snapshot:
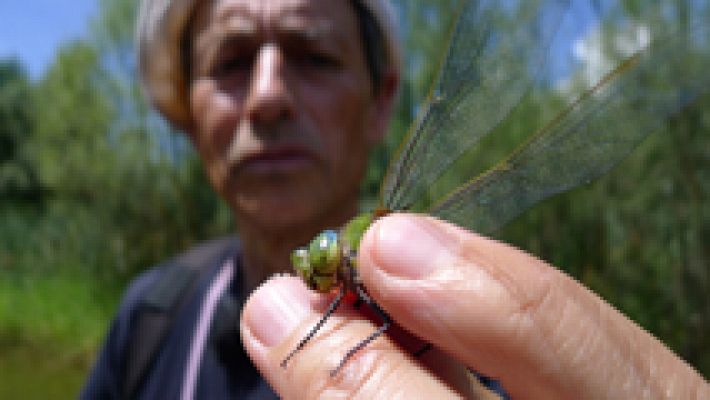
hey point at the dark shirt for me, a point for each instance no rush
(225, 371)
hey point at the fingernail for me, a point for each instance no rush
(408, 247)
(275, 309)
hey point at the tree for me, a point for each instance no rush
(18, 178)
(126, 190)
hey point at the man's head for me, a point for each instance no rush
(282, 98)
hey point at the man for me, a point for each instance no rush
(282, 99)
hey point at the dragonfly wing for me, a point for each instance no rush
(496, 50)
(587, 139)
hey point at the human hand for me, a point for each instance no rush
(482, 304)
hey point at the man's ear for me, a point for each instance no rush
(189, 128)
(189, 132)
(383, 106)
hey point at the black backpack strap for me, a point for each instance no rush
(163, 301)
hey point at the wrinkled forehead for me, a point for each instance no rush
(269, 19)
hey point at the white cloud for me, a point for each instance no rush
(596, 55)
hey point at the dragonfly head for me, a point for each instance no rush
(318, 263)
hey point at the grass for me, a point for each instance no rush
(50, 328)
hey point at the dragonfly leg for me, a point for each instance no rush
(386, 322)
(422, 350)
(331, 309)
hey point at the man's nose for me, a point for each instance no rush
(269, 99)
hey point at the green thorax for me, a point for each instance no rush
(351, 233)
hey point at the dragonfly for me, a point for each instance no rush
(497, 55)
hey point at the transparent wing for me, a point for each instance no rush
(589, 137)
(497, 48)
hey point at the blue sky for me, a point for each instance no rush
(32, 30)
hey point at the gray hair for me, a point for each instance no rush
(161, 33)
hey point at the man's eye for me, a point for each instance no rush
(320, 60)
(232, 64)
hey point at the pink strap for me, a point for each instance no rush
(202, 328)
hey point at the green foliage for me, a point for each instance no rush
(14, 93)
(50, 328)
(59, 308)
(18, 180)
(124, 191)
(107, 190)
(68, 146)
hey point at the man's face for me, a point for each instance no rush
(282, 105)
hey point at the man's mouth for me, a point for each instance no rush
(276, 161)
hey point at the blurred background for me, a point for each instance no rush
(95, 187)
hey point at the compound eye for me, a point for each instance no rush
(301, 263)
(324, 252)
